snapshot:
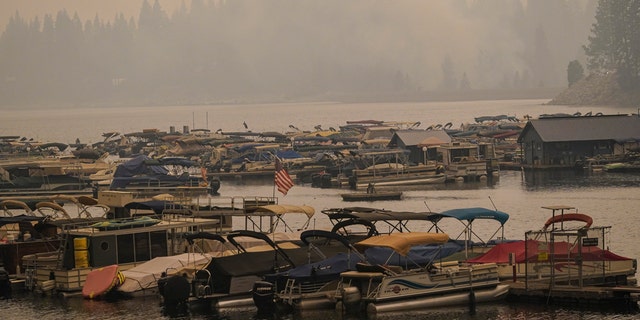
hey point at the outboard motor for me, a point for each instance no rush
(214, 186)
(175, 292)
(201, 284)
(351, 298)
(263, 297)
(5, 283)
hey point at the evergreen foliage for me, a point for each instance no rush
(614, 45)
(575, 72)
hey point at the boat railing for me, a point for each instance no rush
(226, 209)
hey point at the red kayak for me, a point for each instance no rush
(100, 281)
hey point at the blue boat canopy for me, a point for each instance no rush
(471, 214)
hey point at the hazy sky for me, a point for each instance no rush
(86, 9)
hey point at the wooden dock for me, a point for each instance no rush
(617, 296)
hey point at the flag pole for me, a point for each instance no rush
(273, 195)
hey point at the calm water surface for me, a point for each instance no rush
(611, 199)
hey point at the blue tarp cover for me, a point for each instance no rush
(138, 166)
(421, 255)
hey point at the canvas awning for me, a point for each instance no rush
(280, 209)
(402, 242)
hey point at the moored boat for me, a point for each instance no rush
(568, 249)
(380, 288)
(372, 196)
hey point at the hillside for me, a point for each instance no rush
(597, 89)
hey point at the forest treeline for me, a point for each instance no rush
(287, 50)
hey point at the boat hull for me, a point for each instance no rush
(403, 181)
(376, 196)
(481, 295)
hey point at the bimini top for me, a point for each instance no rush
(402, 242)
(280, 209)
(471, 214)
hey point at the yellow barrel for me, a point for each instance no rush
(80, 243)
(80, 253)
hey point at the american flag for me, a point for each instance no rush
(283, 180)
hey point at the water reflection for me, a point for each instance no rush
(545, 179)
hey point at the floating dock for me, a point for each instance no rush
(616, 296)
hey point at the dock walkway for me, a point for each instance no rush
(618, 296)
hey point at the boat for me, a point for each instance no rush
(40, 177)
(101, 281)
(375, 196)
(126, 223)
(309, 286)
(142, 280)
(372, 195)
(148, 177)
(227, 281)
(631, 166)
(314, 286)
(85, 246)
(568, 249)
(28, 228)
(379, 288)
(389, 170)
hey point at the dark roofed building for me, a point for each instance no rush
(415, 140)
(565, 141)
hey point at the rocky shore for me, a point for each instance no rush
(597, 90)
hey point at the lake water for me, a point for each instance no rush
(611, 199)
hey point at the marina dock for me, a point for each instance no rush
(616, 296)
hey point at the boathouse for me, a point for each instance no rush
(566, 141)
(422, 144)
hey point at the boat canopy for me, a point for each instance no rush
(471, 214)
(402, 242)
(280, 209)
(466, 216)
(396, 220)
(19, 219)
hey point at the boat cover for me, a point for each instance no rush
(138, 222)
(138, 166)
(500, 252)
(145, 276)
(420, 255)
(328, 268)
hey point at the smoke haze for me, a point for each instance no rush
(315, 48)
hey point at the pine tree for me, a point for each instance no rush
(615, 41)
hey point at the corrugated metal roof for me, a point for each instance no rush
(618, 127)
(414, 137)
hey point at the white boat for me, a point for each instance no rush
(378, 288)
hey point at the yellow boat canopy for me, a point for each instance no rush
(402, 242)
(280, 209)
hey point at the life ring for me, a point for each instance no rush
(569, 217)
